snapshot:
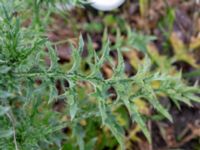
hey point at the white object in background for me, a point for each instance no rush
(106, 5)
(61, 6)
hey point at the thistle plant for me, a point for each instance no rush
(29, 73)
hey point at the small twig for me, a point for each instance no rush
(14, 132)
(64, 42)
(195, 133)
(150, 131)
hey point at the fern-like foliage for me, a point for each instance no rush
(28, 77)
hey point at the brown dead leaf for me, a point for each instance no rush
(181, 51)
(195, 42)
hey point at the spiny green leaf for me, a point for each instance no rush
(79, 133)
(80, 45)
(4, 94)
(138, 40)
(116, 130)
(102, 109)
(91, 144)
(73, 109)
(154, 101)
(72, 101)
(105, 54)
(6, 133)
(4, 69)
(192, 97)
(76, 54)
(135, 116)
(3, 110)
(119, 71)
(138, 118)
(53, 57)
(52, 93)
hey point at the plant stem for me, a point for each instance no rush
(14, 132)
(192, 74)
